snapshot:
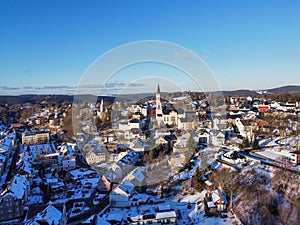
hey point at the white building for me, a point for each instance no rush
(135, 123)
(187, 123)
(170, 117)
(30, 138)
(233, 157)
(123, 125)
(119, 197)
(92, 157)
(168, 217)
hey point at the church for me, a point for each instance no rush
(165, 116)
(102, 113)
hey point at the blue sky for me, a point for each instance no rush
(247, 44)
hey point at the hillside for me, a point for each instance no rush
(22, 99)
(292, 89)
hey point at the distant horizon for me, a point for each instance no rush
(60, 90)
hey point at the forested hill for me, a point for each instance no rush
(22, 99)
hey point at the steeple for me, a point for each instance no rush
(158, 103)
(158, 89)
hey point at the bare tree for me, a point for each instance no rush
(228, 181)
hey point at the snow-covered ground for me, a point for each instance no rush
(194, 215)
(276, 156)
(270, 142)
(290, 142)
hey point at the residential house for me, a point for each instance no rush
(218, 138)
(6, 146)
(138, 179)
(14, 198)
(135, 123)
(141, 146)
(170, 117)
(119, 197)
(92, 157)
(167, 217)
(123, 125)
(295, 157)
(213, 203)
(78, 174)
(104, 185)
(187, 123)
(127, 163)
(51, 215)
(134, 133)
(95, 152)
(233, 157)
(204, 137)
(123, 195)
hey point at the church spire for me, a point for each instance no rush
(158, 89)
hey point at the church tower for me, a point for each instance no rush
(159, 115)
(102, 106)
(102, 110)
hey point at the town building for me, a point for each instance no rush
(13, 199)
(30, 138)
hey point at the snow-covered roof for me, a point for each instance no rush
(215, 196)
(101, 221)
(128, 157)
(211, 204)
(19, 186)
(138, 174)
(125, 188)
(127, 183)
(114, 217)
(140, 198)
(164, 207)
(277, 156)
(6, 143)
(208, 183)
(51, 215)
(81, 173)
(2, 158)
(51, 155)
(165, 215)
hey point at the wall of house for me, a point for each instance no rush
(118, 201)
(10, 208)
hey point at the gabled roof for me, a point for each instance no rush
(134, 121)
(185, 120)
(180, 111)
(125, 188)
(103, 185)
(50, 215)
(138, 144)
(136, 131)
(19, 186)
(138, 174)
(168, 111)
